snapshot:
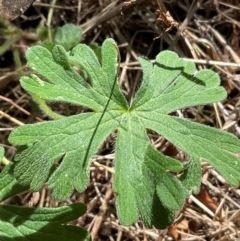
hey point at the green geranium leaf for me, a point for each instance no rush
(144, 183)
(68, 35)
(24, 224)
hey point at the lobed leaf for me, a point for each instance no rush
(129, 183)
(103, 78)
(69, 35)
(168, 188)
(143, 181)
(200, 142)
(49, 144)
(175, 84)
(63, 83)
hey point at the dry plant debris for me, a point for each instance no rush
(207, 34)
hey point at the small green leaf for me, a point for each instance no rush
(68, 35)
(24, 224)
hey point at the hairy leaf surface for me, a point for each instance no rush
(144, 181)
(24, 224)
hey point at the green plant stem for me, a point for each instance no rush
(49, 19)
(18, 62)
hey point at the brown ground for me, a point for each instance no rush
(207, 31)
